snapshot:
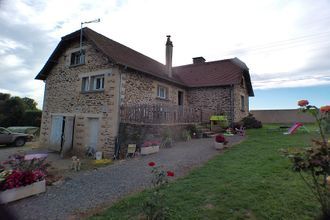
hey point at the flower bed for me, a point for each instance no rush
(20, 178)
(150, 147)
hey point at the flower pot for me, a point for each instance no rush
(218, 146)
(22, 192)
(149, 150)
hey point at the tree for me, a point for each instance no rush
(30, 104)
(16, 111)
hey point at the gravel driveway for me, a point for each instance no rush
(87, 190)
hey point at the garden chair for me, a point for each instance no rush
(131, 149)
(240, 131)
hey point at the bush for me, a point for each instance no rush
(251, 122)
(32, 118)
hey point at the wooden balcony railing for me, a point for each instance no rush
(162, 114)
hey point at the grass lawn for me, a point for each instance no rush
(249, 181)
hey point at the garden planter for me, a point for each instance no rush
(218, 146)
(22, 192)
(149, 150)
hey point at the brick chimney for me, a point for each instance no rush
(169, 54)
(197, 60)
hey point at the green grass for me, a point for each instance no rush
(249, 181)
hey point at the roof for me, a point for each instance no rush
(217, 73)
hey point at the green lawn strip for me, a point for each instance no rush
(249, 181)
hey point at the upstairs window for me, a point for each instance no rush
(77, 58)
(162, 92)
(92, 83)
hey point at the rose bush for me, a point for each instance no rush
(313, 163)
(154, 207)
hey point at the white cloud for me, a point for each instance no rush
(282, 42)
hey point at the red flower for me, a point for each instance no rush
(170, 173)
(303, 103)
(325, 109)
(151, 164)
(220, 138)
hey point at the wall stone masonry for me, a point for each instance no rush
(215, 99)
(63, 96)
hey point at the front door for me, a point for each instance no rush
(93, 132)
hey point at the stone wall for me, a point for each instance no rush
(63, 96)
(239, 113)
(284, 116)
(138, 88)
(215, 99)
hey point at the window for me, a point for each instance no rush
(162, 92)
(98, 82)
(242, 103)
(77, 58)
(92, 83)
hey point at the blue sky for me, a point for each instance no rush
(287, 98)
(285, 44)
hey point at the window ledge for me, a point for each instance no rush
(92, 91)
(163, 99)
(75, 65)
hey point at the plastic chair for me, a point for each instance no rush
(131, 150)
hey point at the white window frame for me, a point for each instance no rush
(89, 83)
(94, 81)
(162, 94)
(74, 56)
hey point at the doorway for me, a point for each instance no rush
(180, 98)
(61, 134)
(93, 134)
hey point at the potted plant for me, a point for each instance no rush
(20, 178)
(220, 142)
(150, 147)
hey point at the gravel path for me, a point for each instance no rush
(92, 189)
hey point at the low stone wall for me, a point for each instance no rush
(282, 116)
(138, 133)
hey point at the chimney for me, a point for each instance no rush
(169, 53)
(197, 60)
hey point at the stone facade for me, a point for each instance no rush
(214, 99)
(138, 88)
(64, 97)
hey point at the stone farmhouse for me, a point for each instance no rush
(91, 88)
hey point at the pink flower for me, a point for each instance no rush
(151, 164)
(170, 173)
(303, 103)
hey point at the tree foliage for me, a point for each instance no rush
(16, 111)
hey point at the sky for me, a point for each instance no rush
(285, 44)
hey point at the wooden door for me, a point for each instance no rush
(55, 140)
(93, 132)
(67, 135)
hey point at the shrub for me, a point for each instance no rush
(251, 122)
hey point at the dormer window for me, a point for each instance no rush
(77, 58)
